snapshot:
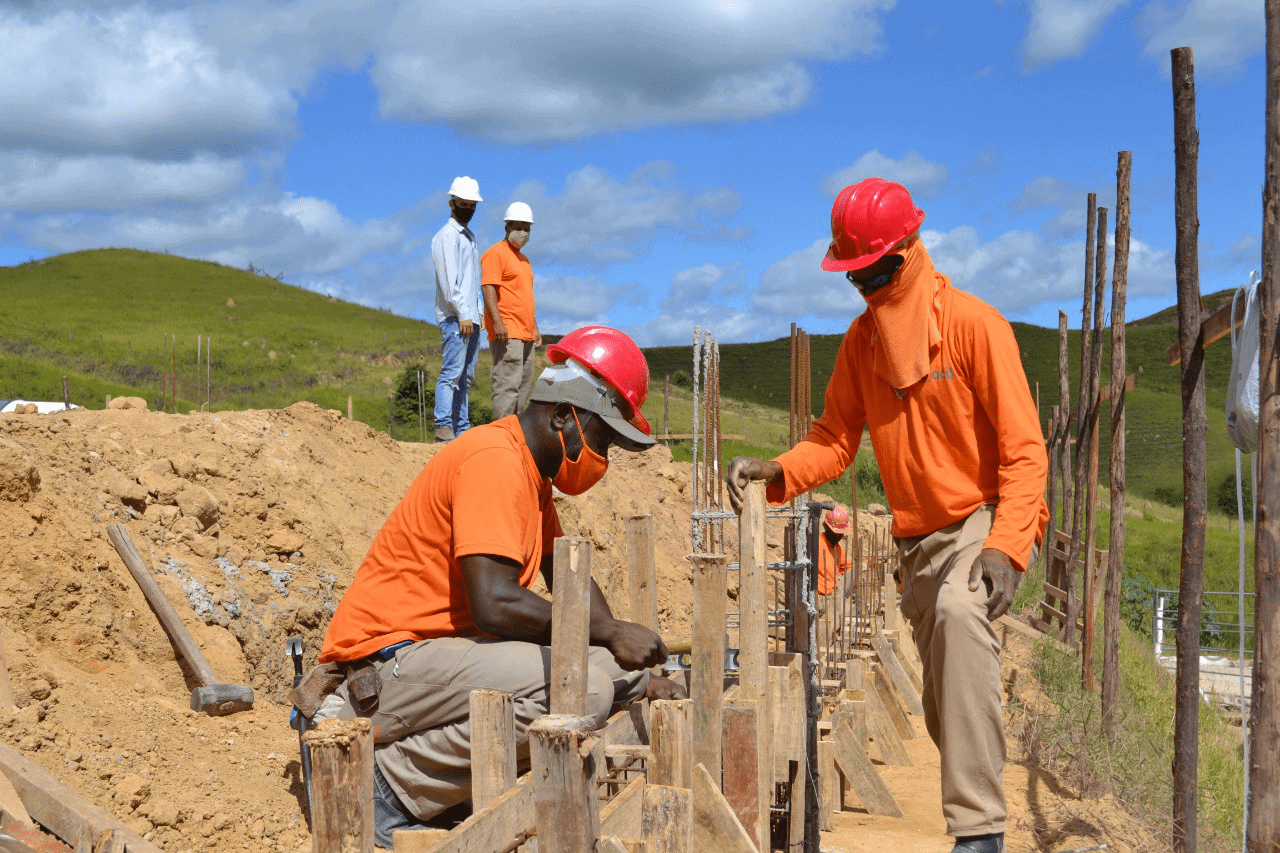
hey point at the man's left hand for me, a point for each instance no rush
(661, 687)
(1002, 579)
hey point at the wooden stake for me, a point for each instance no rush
(566, 807)
(670, 747)
(350, 413)
(861, 773)
(706, 685)
(1063, 521)
(753, 658)
(1115, 550)
(828, 784)
(1263, 823)
(666, 819)
(1091, 510)
(493, 745)
(1082, 426)
(642, 572)
(341, 786)
(1194, 492)
(746, 776)
(570, 625)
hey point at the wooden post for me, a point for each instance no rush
(341, 786)
(567, 811)
(1186, 748)
(746, 775)
(1094, 410)
(669, 739)
(570, 625)
(350, 413)
(706, 686)
(1115, 548)
(1263, 825)
(1082, 425)
(828, 784)
(1054, 448)
(66, 395)
(642, 572)
(666, 405)
(493, 745)
(1064, 422)
(753, 656)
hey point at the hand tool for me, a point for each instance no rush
(297, 719)
(681, 658)
(210, 696)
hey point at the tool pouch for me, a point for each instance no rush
(318, 683)
(363, 684)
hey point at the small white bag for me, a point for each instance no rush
(1242, 390)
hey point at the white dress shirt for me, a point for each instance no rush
(457, 261)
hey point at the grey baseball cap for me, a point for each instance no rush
(570, 382)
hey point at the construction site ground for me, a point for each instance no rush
(254, 523)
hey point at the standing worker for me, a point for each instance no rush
(506, 278)
(442, 603)
(935, 374)
(832, 563)
(458, 309)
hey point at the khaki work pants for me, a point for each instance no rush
(512, 375)
(960, 653)
(421, 726)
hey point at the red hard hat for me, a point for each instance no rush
(837, 520)
(867, 220)
(612, 355)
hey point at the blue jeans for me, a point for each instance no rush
(457, 373)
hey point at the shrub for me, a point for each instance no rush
(406, 405)
(681, 379)
(1223, 498)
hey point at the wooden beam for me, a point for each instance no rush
(883, 732)
(828, 784)
(715, 826)
(493, 827)
(416, 840)
(570, 626)
(670, 747)
(864, 779)
(1130, 382)
(493, 745)
(753, 654)
(667, 819)
(59, 809)
(892, 703)
(621, 816)
(746, 776)
(1214, 328)
(642, 572)
(566, 808)
(897, 675)
(706, 681)
(341, 786)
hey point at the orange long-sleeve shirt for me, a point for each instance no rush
(965, 436)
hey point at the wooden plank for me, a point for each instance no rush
(566, 808)
(706, 681)
(59, 809)
(897, 675)
(493, 827)
(892, 704)
(865, 780)
(642, 572)
(1052, 591)
(621, 816)
(743, 769)
(1054, 613)
(753, 655)
(715, 828)
(828, 785)
(415, 840)
(493, 745)
(1130, 383)
(667, 819)
(908, 657)
(853, 713)
(570, 625)
(1215, 327)
(341, 786)
(786, 698)
(883, 733)
(611, 844)
(670, 749)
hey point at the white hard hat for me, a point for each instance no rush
(467, 189)
(518, 211)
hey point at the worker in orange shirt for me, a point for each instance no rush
(832, 563)
(506, 278)
(935, 375)
(442, 605)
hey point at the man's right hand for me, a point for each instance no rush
(744, 469)
(500, 333)
(635, 647)
(466, 328)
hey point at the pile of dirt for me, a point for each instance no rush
(253, 523)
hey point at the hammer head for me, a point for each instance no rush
(218, 700)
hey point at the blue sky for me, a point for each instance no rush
(680, 164)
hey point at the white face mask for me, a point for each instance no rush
(518, 238)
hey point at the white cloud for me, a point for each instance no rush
(566, 302)
(798, 287)
(923, 178)
(1220, 32)
(598, 219)
(1062, 29)
(32, 183)
(696, 297)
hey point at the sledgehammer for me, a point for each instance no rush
(211, 697)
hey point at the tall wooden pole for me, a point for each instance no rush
(570, 625)
(1064, 423)
(1115, 546)
(1186, 748)
(1263, 828)
(1082, 426)
(1091, 508)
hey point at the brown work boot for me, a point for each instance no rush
(444, 435)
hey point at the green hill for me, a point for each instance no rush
(107, 320)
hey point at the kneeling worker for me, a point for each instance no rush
(442, 603)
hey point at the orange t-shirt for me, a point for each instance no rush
(509, 270)
(481, 494)
(831, 563)
(964, 436)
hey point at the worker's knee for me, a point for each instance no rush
(599, 694)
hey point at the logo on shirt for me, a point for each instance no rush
(943, 373)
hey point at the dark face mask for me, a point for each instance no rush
(876, 276)
(462, 214)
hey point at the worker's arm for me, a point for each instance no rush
(491, 307)
(444, 253)
(502, 607)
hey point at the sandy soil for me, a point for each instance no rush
(254, 523)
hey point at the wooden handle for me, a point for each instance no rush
(169, 619)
